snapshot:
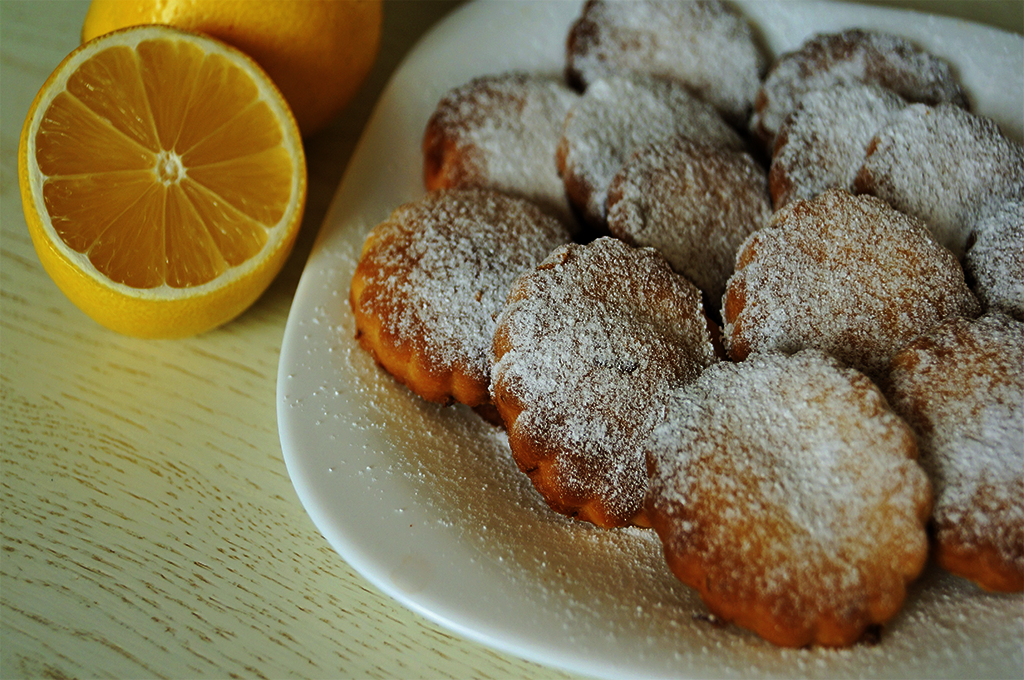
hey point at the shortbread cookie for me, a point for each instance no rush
(845, 274)
(830, 59)
(704, 44)
(786, 492)
(585, 352)
(695, 203)
(961, 387)
(994, 263)
(432, 277)
(617, 116)
(500, 132)
(945, 166)
(822, 143)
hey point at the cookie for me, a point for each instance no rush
(706, 45)
(500, 132)
(694, 202)
(828, 60)
(844, 274)
(944, 165)
(786, 492)
(585, 351)
(617, 116)
(994, 263)
(822, 143)
(432, 277)
(961, 387)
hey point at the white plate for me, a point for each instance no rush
(426, 503)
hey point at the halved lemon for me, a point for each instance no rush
(163, 180)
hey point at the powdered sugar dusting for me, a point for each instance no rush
(945, 166)
(438, 271)
(845, 274)
(692, 201)
(603, 584)
(504, 129)
(589, 344)
(600, 593)
(830, 59)
(618, 115)
(995, 260)
(704, 44)
(794, 486)
(962, 388)
(823, 142)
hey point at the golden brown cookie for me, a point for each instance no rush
(994, 263)
(945, 166)
(432, 277)
(822, 143)
(786, 492)
(706, 45)
(615, 117)
(692, 201)
(585, 351)
(961, 387)
(500, 132)
(830, 59)
(845, 274)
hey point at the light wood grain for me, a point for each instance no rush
(149, 527)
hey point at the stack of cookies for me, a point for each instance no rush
(771, 308)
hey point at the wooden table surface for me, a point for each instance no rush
(149, 527)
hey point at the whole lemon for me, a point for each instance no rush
(318, 52)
